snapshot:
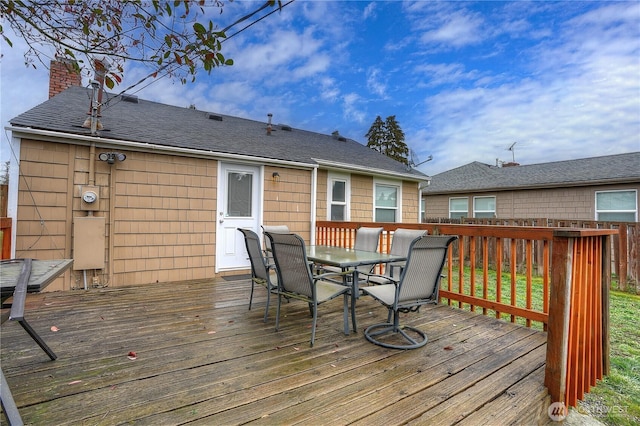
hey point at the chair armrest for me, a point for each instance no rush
(393, 280)
(330, 274)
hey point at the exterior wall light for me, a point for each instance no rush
(112, 157)
(275, 176)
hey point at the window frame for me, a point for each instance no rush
(597, 211)
(476, 211)
(466, 212)
(339, 177)
(398, 208)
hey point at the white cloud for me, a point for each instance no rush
(457, 30)
(374, 83)
(351, 112)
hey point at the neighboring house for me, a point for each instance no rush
(600, 188)
(158, 193)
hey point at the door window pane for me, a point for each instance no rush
(239, 188)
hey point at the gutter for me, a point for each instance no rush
(371, 171)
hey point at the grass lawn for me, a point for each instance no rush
(616, 399)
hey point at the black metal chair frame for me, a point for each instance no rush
(296, 280)
(400, 243)
(260, 269)
(418, 285)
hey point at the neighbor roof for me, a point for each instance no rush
(154, 123)
(476, 176)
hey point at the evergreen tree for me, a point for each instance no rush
(387, 138)
(396, 147)
(376, 135)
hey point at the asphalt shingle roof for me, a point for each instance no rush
(161, 124)
(478, 176)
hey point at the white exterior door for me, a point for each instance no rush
(239, 189)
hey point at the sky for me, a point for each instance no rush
(465, 80)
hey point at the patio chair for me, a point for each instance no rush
(367, 239)
(261, 272)
(400, 243)
(419, 284)
(280, 229)
(296, 281)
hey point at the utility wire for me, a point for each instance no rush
(173, 62)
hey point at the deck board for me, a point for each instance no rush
(204, 358)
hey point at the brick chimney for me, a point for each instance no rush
(62, 76)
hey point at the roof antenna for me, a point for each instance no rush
(512, 148)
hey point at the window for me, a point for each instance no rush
(617, 206)
(386, 202)
(239, 194)
(338, 197)
(458, 208)
(484, 207)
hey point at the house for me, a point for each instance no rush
(140, 192)
(599, 188)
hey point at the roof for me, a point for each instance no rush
(480, 177)
(147, 122)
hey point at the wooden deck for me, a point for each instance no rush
(203, 358)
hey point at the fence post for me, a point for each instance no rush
(555, 378)
(5, 226)
(578, 331)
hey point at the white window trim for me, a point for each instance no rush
(466, 199)
(388, 182)
(595, 203)
(495, 214)
(346, 178)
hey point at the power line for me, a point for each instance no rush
(173, 62)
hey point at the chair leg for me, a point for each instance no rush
(374, 331)
(278, 312)
(345, 316)
(266, 309)
(315, 320)
(251, 295)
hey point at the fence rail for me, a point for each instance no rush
(485, 270)
(625, 245)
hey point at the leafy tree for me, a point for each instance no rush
(170, 36)
(387, 138)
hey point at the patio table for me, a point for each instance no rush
(17, 278)
(349, 259)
